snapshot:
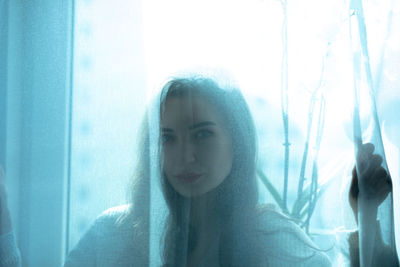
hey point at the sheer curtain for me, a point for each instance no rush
(309, 71)
(35, 69)
(292, 60)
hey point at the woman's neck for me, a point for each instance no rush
(202, 215)
(205, 223)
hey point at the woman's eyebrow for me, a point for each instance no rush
(202, 124)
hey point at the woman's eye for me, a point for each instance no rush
(202, 134)
(166, 138)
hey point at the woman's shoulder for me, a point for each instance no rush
(269, 217)
(109, 222)
(284, 241)
(114, 212)
(106, 241)
(113, 222)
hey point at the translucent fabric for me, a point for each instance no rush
(365, 94)
(195, 196)
(317, 86)
(200, 133)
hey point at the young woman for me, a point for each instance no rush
(207, 161)
(198, 142)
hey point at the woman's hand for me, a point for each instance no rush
(374, 183)
(5, 218)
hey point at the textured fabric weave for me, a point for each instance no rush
(109, 243)
(9, 253)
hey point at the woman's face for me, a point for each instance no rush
(196, 146)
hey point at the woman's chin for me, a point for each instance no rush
(195, 192)
(191, 193)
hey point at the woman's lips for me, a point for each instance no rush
(188, 177)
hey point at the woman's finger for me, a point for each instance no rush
(364, 156)
(367, 148)
(375, 161)
(379, 176)
(379, 185)
(383, 192)
(365, 151)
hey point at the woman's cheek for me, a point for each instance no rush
(216, 152)
(167, 160)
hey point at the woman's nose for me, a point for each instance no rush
(188, 152)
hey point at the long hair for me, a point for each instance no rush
(236, 196)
